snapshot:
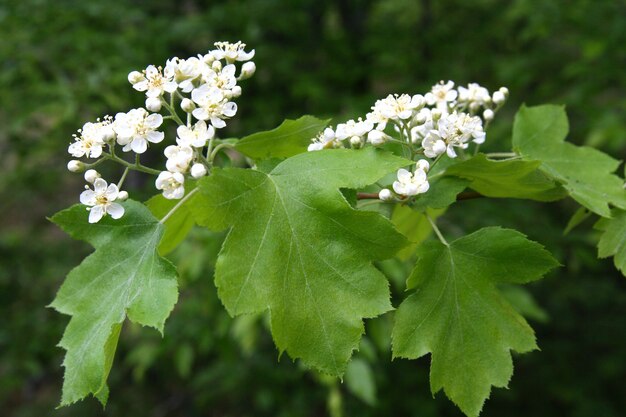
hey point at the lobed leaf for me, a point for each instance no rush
(123, 277)
(299, 250)
(613, 239)
(290, 138)
(507, 179)
(458, 315)
(586, 173)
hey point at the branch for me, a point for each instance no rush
(465, 195)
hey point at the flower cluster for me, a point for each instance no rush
(203, 87)
(441, 122)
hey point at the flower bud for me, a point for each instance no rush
(436, 114)
(504, 91)
(134, 77)
(488, 115)
(198, 170)
(247, 70)
(235, 91)
(376, 137)
(498, 98)
(216, 66)
(187, 105)
(356, 141)
(153, 104)
(122, 196)
(385, 194)
(75, 166)
(91, 175)
(423, 165)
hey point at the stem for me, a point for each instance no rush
(435, 161)
(136, 166)
(177, 206)
(436, 230)
(121, 181)
(217, 148)
(172, 111)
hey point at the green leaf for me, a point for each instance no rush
(414, 225)
(178, 225)
(523, 301)
(124, 277)
(290, 138)
(458, 315)
(586, 173)
(507, 179)
(577, 218)
(297, 248)
(360, 381)
(613, 239)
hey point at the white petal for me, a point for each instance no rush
(115, 210)
(88, 198)
(154, 120)
(200, 113)
(95, 214)
(112, 192)
(155, 136)
(399, 188)
(229, 109)
(100, 186)
(451, 152)
(404, 175)
(217, 123)
(139, 145)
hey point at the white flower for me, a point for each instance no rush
(353, 128)
(474, 96)
(325, 139)
(101, 201)
(411, 183)
(178, 158)
(399, 107)
(172, 184)
(136, 128)
(441, 94)
(471, 128)
(223, 78)
(198, 170)
(154, 81)
(196, 136)
(385, 195)
(91, 139)
(231, 52)
(186, 71)
(213, 105)
(433, 146)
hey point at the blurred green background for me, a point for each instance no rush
(65, 62)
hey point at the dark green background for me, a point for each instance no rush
(65, 62)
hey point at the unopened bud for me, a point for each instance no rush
(198, 170)
(423, 165)
(385, 194)
(436, 114)
(135, 77)
(75, 166)
(247, 70)
(504, 91)
(91, 175)
(216, 66)
(376, 137)
(488, 115)
(498, 97)
(235, 91)
(187, 105)
(153, 104)
(122, 196)
(356, 141)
